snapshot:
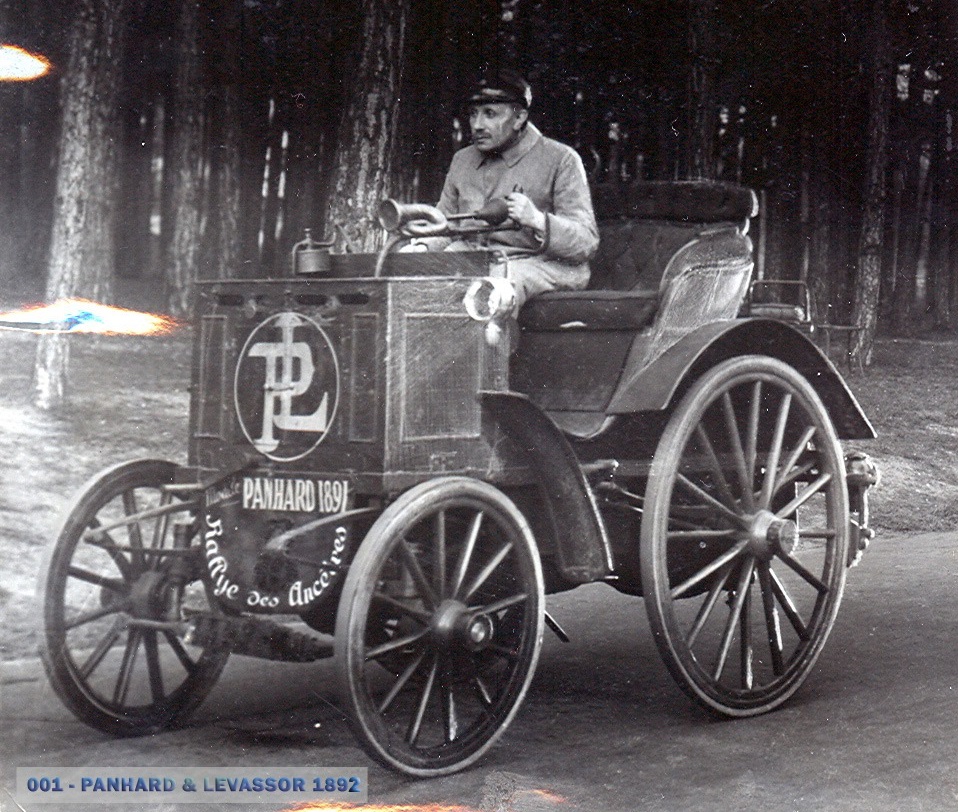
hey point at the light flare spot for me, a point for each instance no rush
(19, 65)
(84, 316)
(325, 806)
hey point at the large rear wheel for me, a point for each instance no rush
(745, 535)
(439, 626)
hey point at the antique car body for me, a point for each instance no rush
(376, 473)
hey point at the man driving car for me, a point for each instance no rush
(542, 181)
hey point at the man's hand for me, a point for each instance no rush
(525, 213)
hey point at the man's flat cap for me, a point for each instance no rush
(504, 86)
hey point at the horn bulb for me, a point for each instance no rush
(494, 212)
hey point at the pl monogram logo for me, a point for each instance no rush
(287, 386)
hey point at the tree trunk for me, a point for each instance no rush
(939, 253)
(434, 51)
(313, 77)
(868, 280)
(362, 174)
(947, 282)
(946, 199)
(222, 33)
(28, 121)
(10, 110)
(82, 245)
(910, 219)
(922, 259)
(946, 216)
(702, 86)
(137, 231)
(224, 259)
(186, 164)
(889, 282)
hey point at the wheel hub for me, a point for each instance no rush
(148, 595)
(455, 625)
(768, 535)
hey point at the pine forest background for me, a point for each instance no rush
(198, 138)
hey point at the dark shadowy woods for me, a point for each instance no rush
(197, 138)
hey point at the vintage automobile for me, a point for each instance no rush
(376, 473)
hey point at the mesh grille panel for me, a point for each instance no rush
(212, 385)
(364, 390)
(441, 374)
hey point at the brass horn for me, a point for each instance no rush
(393, 215)
(421, 219)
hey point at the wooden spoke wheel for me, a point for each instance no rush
(745, 535)
(439, 626)
(105, 582)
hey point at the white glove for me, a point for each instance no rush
(413, 247)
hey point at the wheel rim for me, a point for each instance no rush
(114, 672)
(440, 626)
(744, 537)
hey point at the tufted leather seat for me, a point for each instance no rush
(642, 227)
(672, 257)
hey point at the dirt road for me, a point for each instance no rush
(604, 727)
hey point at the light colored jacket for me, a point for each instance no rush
(550, 174)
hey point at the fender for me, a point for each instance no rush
(655, 387)
(582, 545)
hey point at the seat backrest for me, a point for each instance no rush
(642, 226)
(705, 281)
(681, 201)
(633, 254)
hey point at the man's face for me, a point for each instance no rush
(496, 126)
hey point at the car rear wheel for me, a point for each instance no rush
(745, 535)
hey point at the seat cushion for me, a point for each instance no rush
(589, 310)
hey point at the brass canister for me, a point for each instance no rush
(311, 257)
